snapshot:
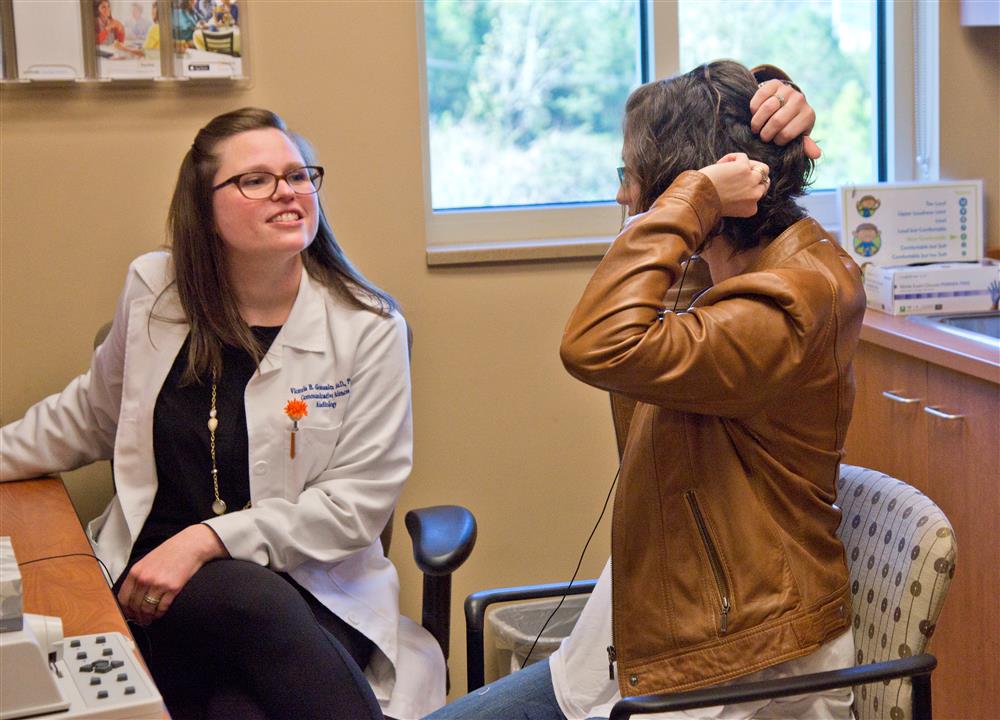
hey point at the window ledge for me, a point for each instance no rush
(520, 251)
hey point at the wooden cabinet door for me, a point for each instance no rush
(888, 424)
(964, 478)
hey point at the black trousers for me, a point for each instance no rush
(244, 642)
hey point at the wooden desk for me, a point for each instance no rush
(41, 522)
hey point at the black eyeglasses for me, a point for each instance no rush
(259, 184)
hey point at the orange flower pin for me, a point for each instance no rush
(296, 410)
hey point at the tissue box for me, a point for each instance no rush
(912, 223)
(934, 289)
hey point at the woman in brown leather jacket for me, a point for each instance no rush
(725, 562)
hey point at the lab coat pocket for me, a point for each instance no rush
(314, 453)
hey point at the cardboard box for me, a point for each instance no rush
(910, 223)
(934, 289)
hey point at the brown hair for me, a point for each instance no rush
(202, 281)
(691, 121)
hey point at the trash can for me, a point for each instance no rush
(515, 627)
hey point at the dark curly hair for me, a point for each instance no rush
(691, 121)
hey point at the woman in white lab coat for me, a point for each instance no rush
(254, 395)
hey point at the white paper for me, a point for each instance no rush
(49, 39)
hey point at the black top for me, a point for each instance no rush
(184, 493)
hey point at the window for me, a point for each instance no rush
(524, 101)
(826, 47)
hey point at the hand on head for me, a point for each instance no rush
(781, 113)
(740, 183)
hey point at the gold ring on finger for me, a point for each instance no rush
(151, 600)
(781, 99)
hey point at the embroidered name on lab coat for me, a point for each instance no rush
(323, 395)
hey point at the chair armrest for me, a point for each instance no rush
(918, 665)
(475, 616)
(443, 537)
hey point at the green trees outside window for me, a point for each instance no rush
(525, 99)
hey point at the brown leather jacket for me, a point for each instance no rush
(725, 558)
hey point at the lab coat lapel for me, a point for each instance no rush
(305, 328)
(152, 344)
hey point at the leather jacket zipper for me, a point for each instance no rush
(611, 662)
(713, 558)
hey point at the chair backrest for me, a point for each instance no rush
(901, 557)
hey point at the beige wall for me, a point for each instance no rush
(85, 179)
(970, 109)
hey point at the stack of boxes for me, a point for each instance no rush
(920, 246)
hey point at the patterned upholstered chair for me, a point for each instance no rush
(901, 556)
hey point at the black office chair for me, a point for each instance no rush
(901, 557)
(443, 537)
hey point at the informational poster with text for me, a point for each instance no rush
(912, 223)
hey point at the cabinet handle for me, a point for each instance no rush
(941, 414)
(895, 397)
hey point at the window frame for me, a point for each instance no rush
(905, 65)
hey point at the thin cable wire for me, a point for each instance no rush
(680, 286)
(578, 564)
(133, 626)
(76, 554)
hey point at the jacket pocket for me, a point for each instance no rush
(314, 453)
(720, 581)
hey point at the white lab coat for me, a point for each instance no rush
(318, 516)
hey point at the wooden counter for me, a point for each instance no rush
(41, 522)
(927, 411)
(932, 344)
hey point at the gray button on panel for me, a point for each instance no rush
(95, 681)
(102, 695)
(107, 652)
(122, 677)
(130, 690)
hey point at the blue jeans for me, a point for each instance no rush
(524, 695)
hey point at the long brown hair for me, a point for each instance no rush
(201, 278)
(691, 121)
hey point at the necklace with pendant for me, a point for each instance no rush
(218, 505)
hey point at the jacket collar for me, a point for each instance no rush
(308, 313)
(794, 239)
